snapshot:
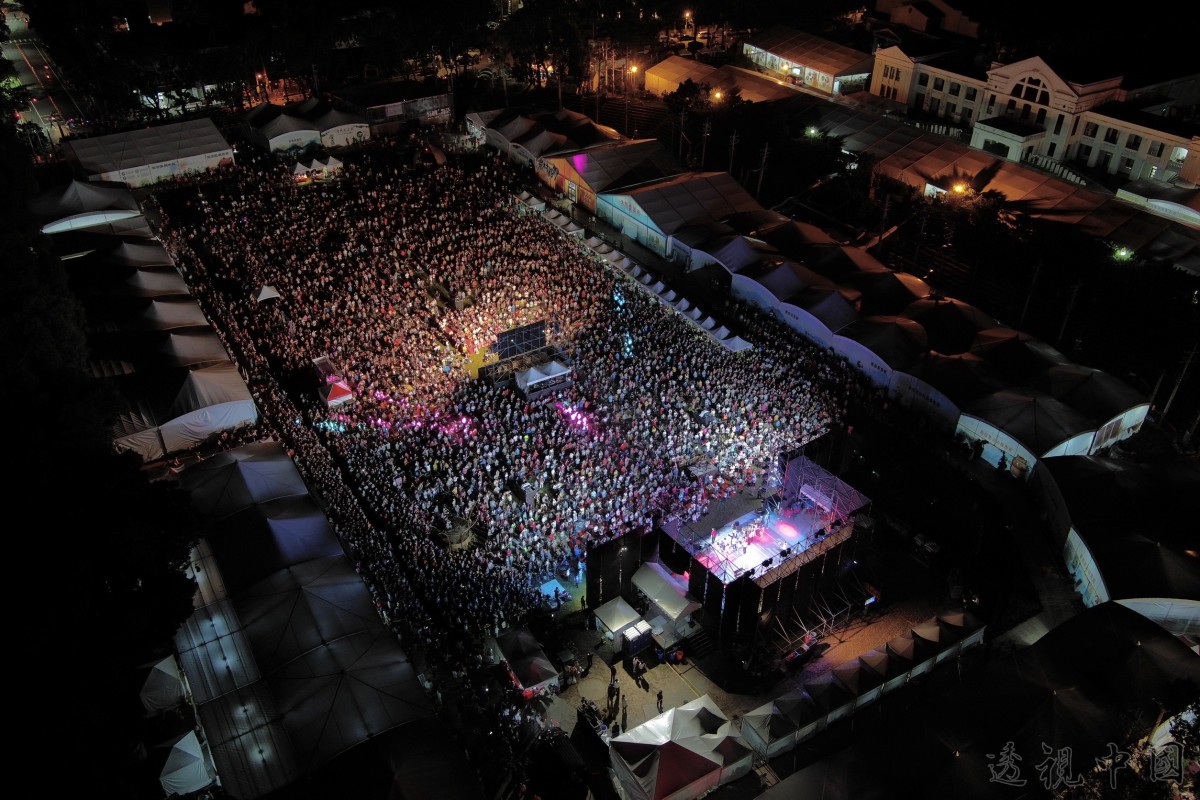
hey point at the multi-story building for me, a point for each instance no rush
(1028, 111)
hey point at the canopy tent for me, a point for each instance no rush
(286, 653)
(769, 731)
(335, 393)
(148, 155)
(880, 346)
(1116, 408)
(1125, 532)
(535, 672)
(159, 420)
(188, 768)
(83, 204)
(886, 293)
(1018, 356)
(236, 479)
(963, 378)
(138, 254)
(275, 129)
(266, 538)
(163, 688)
(1024, 423)
(680, 754)
(267, 292)
(542, 375)
(615, 616)
(71, 244)
(664, 591)
(951, 325)
(131, 313)
(865, 684)
(194, 347)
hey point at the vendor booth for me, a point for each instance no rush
(531, 668)
(671, 607)
(614, 617)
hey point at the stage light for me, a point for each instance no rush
(768, 562)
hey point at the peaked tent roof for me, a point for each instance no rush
(623, 164)
(83, 204)
(617, 614)
(691, 199)
(963, 378)
(1137, 521)
(652, 579)
(888, 292)
(951, 325)
(897, 340)
(267, 292)
(163, 688)
(236, 479)
(811, 51)
(99, 155)
(1036, 420)
(1018, 356)
(1095, 394)
(304, 667)
(187, 769)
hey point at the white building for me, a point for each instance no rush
(1027, 111)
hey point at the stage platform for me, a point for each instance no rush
(764, 546)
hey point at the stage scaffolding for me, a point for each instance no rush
(816, 508)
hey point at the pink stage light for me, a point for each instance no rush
(788, 530)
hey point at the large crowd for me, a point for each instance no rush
(368, 269)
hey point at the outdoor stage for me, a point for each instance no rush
(764, 546)
(813, 512)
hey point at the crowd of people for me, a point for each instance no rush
(368, 269)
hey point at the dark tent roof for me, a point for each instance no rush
(81, 197)
(289, 660)
(518, 643)
(1094, 393)
(963, 378)
(1103, 676)
(237, 479)
(897, 340)
(1036, 420)
(1138, 521)
(265, 538)
(1016, 355)
(952, 325)
(888, 292)
(836, 262)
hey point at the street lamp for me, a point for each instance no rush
(628, 86)
(687, 21)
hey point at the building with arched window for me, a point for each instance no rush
(1028, 111)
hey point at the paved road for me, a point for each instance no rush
(53, 106)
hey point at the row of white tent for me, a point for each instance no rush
(149, 335)
(778, 726)
(317, 166)
(668, 297)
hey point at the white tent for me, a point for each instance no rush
(664, 592)
(300, 169)
(615, 616)
(209, 400)
(163, 688)
(149, 155)
(681, 754)
(82, 204)
(267, 293)
(541, 375)
(187, 769)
